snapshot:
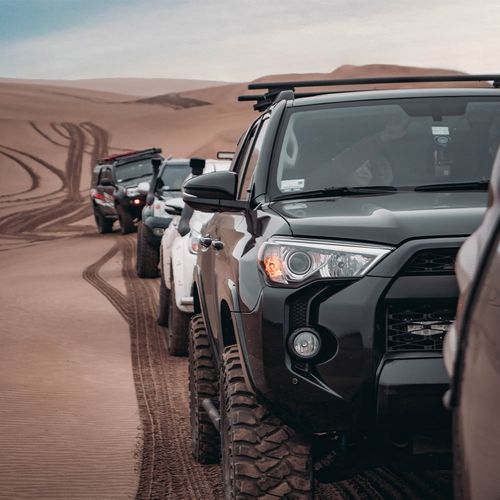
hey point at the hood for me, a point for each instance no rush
(386, 219)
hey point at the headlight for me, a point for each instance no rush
(132, 192)
(290, 261)
(194, 241)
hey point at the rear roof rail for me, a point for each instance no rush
(277, 91)
(129, 156)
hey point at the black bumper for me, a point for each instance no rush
(410, 394)
(356, 384)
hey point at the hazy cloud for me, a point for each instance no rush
(240, 40)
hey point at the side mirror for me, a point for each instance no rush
(214, 192)
(197, 165)
(143, 187)
(174, 206)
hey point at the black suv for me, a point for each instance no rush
(165, 184)
(326, 283)
(114, 192)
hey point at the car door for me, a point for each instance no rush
(477, 417)
(217, 241)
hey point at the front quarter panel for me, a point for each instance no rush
(183, 262)
(166, 250)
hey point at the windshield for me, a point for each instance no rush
(134, 170)
(172, 177)
(403, 143)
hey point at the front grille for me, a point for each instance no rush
(431, 261)
(298, 313)
(418, 326)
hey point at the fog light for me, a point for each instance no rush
(305, 343)
(158, 231)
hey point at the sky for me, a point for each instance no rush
(239, 40)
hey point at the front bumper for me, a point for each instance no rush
(155, 226)
(361, 381)
(410, 394)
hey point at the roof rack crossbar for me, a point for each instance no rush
(277, 91)
(259, 97)
(121, 156)
(375, 80)
(263, 101)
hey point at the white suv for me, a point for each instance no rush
(178, 250)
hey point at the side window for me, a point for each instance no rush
(100, 176)
(105, 174)
(244, 151)
(246, 179)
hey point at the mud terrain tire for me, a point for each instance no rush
(261, 456)
(178, 326)
(104, 225)
(203, 383)
(164, 303)
(126, 221)
(147, 256)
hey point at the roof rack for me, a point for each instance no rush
(274, 89)
(128, 154)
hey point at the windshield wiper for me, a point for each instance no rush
(336, 191)
(455, 186)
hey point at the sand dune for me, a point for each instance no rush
(129, 86)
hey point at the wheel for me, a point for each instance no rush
(126, 220)
(164, 303)
(178, 326)
(147, 255)
(203, 384)
(103, 225)
(261, 456)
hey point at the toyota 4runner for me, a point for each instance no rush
(326, 283)
(114, 192)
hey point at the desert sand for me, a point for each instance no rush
(91, 405)
(143, 87)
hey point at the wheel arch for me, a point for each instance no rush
(196, 299)
(226, 324)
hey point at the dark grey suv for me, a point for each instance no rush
(326, 284)
(165, 184)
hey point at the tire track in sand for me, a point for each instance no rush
(59, 173)
(101, 139)
(35, 178)
(167, 468)
(75, 159)
(91, 275)
(47, 137)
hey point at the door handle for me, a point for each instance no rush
(217, 244)
(205, 241)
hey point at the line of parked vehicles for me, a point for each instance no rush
(311, 280)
